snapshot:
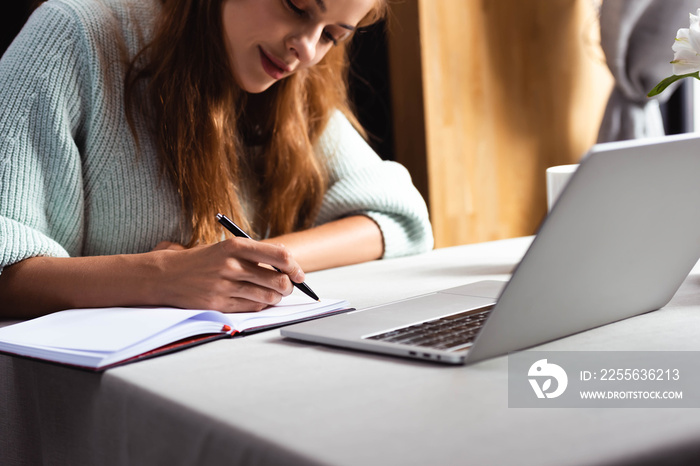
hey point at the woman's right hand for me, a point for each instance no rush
(230, 276)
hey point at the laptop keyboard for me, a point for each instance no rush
(450, 333)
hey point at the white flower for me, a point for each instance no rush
(686, 57)
(686, 48)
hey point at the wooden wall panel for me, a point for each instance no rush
(487, 94)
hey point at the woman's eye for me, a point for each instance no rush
(295, 9)
(329, 38)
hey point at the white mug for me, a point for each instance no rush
(557, 177)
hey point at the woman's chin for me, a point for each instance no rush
(257, 87)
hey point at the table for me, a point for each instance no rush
(263, 399)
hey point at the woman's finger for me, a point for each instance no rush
(258, 252)
(241, 272)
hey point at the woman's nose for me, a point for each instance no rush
(304, 44)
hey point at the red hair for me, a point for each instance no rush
(218, 151)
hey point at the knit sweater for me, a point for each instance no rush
(72, 182)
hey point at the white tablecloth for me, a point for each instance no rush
(263, 399)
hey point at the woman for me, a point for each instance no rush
(126, 125)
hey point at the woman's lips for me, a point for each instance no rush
(272, 66)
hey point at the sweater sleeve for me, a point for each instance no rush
(40, 116)
(362, 183)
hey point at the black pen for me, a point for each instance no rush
(236, 230)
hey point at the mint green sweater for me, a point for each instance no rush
(70, 181)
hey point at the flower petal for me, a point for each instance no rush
(694, 37)
(685, 61)
(694, 18)
(682, 40)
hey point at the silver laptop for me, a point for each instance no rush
(619, 241)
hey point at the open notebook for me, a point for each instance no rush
(100, 338)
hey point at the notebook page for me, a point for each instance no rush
(101, 330)
(290, 308)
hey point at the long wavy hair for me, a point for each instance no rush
(221, 152)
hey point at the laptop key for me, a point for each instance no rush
(449, 333)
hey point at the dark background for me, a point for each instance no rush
(12, 20)
(370, 87)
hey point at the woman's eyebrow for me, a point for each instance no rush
(322, 6)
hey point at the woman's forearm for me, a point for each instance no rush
(226, 276)
(40, 285)
(350, 240)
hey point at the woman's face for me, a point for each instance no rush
(268, 40)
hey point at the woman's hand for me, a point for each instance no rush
(230, 276)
